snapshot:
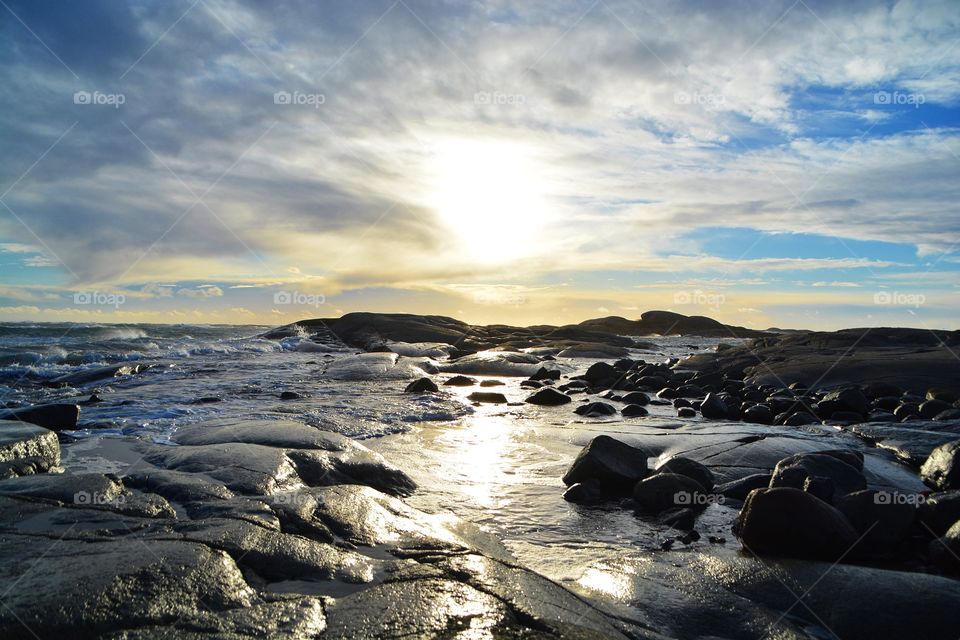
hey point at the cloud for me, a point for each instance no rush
(202, 291)
(642, 121)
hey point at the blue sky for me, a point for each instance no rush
(786, 164)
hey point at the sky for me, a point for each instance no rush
(786, 163)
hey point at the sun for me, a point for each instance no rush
(489, 194)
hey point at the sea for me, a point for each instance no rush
(498, 466)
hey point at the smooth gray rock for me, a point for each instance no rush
(713, 408)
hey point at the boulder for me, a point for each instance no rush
(602, 374)
(931, 408)
(56, 417)
(941, 471)
(758, 414)
(689, 468)
(460, 381)
(883, 519)
(713, 407)
(423, 385)
(615, 464)
(588, 492)
(939, 511)
(636, 397)
(739, 489)
(634, 411)
(789, 522)
(487, 397)
(793, 471)
(849, 399)
(549, 397)
(663, 491)
(596, 410)
(945, 551)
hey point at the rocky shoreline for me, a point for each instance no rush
(799, 497)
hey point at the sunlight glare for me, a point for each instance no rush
(489, 195)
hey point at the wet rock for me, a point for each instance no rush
(602, 374)
(549, 397)
(460, 381)
(26, 449)
(249, 469)
(178, 486)
(739, 489)
(667, 393)
(616, 465)
(788, 522)
(945, 551)
(801, 418)
(587, 492)
(758, 414)
(912, 443)
(487, 397)
(634, 411)
(846, 417)
(793, 471)
(87, 376)
(942, 395)
(290, 395)
(491, 383)
(686, 412)
(423, 385)
(941, 471)
(689, 468)
(545, 374)
(173, 580)
(849, 399)
(713, 407)
(820, 487)
(939, 511)
(883, 519)
(949, 414)
(663, 491)
(596, 410)
(56, 417)
(636, 397)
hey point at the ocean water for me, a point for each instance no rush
(498, 466)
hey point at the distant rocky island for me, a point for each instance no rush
(369, 329)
